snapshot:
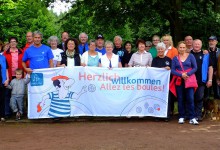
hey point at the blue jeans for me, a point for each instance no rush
(17, 103)
(185, 98)
(199, 100)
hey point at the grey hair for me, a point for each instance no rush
(37, 32)
(92, 41)
(148, 43)
(155, 36)
(109, 43)
(53, 38)
(161, 45)
(83, 33)
(118, 36)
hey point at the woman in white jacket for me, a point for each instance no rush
(91, 57)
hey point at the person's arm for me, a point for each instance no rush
(77, 95)
(173, 67)
(51, 63)
(150, 60)
(119, 65)
(131, 61)
(83, 59)
(7, 76)
(210, 75)
(10, 85)
(24, 59)
(60, 65)
(27, 80)
(100, 63)
(194, 65)
(28, 70)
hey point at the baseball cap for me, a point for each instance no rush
(212, 37)
(100, 37)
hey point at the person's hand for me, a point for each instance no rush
(28, 70)
(209, 84)
(63, 65)
(6, 82)
(205, 51)
(84, 89)
(168, 68)
(184, 76)
(218, 81)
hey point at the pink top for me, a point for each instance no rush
(14, 64)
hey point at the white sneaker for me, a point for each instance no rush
(193, 121)
(181, 121)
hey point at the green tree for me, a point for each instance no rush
(18, 17)
(146, 18)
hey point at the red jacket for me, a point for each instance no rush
(8, 57)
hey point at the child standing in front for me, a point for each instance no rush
(18, 90)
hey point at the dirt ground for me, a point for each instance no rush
(109, 134)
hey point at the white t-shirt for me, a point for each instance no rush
(57, 56)
(71, 61)
(85, 56)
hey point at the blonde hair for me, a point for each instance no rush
(180, 42)
(18, 70)
(109, 43)
(169, 38)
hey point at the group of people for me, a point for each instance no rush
(186, 60)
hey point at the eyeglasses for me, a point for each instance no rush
(156, 40)
(13, 41)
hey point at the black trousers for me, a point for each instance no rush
(214, 88)
(2, 101)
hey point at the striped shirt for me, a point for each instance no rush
(59, 107)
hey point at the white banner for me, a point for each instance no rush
(93, 91)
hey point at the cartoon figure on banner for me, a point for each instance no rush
(60, 99)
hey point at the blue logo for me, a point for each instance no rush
(37, 79)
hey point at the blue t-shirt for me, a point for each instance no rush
(103, 51)
(3, 68)
(81, 47)
(39, 56)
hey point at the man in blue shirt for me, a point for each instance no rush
(83, 46)
(39, 55)
(100, 44)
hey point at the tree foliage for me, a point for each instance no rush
(18, 17)
(142, 19)
(128, 18)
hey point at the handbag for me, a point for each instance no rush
(191, 81)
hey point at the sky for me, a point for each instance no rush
(60, 6)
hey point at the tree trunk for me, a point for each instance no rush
(176, 22)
